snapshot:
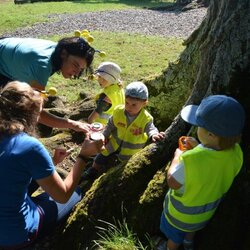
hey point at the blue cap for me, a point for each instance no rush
(222, 115)
(137, 90)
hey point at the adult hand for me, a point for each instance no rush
(90, 147)
(79, 126)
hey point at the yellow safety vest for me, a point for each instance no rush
(116, 96)
(129, 139)
(208, 176)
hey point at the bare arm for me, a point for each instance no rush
(61, 190)
(172, 183)
(58, 122)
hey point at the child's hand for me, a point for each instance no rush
(158, 137)
(192, 142)
(60, 154)
(187, 142)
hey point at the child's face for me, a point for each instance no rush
(133, 106)
(207, 138)
(103, 83)
(202, 135)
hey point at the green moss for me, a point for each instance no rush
(156, 187)
(57, 139)
(172, 88)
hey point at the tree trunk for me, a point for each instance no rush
(216, 61)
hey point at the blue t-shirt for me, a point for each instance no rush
(22, 158)
(26, 59)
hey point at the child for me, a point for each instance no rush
(200, 177)
(108, 76)
(128, 129)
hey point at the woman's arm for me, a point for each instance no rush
(58, 122)
(61, 190)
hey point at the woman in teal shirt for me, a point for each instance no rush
(35, 60)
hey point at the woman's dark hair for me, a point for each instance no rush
(75, 46)
(19, 108)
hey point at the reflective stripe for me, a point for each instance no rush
(185, 226)
(179, 224)
(127, 139)
(124, 157)
(110, 148)
(126, 144)
(116, 138)
(195, 209)
(132, 146)
(104, 116)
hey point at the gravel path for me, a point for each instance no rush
(146, 22)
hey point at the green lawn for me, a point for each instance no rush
(139, 56)
(14, 16)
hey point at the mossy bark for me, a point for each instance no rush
(216, 61)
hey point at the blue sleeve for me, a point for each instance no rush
(37, 160)
(40, 72)
(26, 59)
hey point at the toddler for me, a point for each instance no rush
(128, 130)
(199, 178)
(112, 94)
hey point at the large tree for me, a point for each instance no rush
(216, 61)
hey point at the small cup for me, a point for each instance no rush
(96, 126)
(96, 136)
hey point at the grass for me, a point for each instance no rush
(138, 56)
(14, 16)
